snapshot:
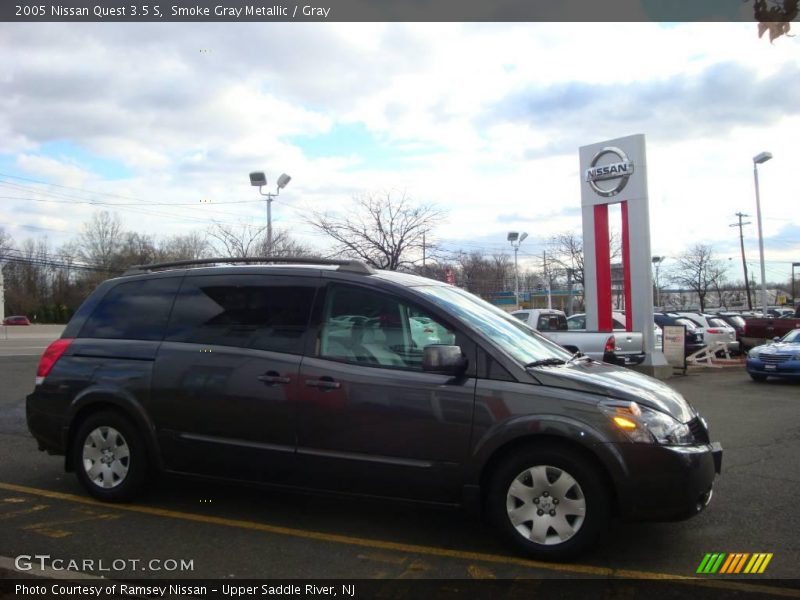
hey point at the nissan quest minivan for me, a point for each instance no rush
(332, 376)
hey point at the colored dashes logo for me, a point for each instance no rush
(734, 563)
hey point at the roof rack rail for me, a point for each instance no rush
(354, 266)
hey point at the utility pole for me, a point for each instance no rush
(423, 250)
(740, 224)
(547, 280)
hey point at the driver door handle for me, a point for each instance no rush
(324, 383)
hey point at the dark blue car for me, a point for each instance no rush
(781, 359)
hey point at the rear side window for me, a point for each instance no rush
(245, 311)
(552, 323)
(135, 310)
(577, 323)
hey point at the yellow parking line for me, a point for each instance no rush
(408, 548)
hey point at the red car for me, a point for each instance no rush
(17, 320)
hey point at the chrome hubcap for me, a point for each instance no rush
(546, 505)
(106, 457)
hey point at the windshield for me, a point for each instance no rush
(690, 325)
(736, 320)
(792, 336)
(508, 333)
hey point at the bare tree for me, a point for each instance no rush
(5, 242)
(236, 241)
(386, 232)
(101, 240)
(245, 241)
(699, 270)
(283, 245)
(136, 249)
(567, 254)
(189, 246)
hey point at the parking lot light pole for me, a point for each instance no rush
(794, 297)
(515, 238)
(657, 260)
(258, 179)
(757, 160)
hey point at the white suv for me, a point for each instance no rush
(714, 329)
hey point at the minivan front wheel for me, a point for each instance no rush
(109, 457)
(551, 504)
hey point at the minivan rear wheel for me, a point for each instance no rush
(109, 457)
(550, 504)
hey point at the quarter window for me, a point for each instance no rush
(134, 310)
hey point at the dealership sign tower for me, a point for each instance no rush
(615, 172)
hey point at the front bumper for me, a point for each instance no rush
(666, 483)
(789, 368)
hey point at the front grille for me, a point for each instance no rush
(774, 359)
(699, 431)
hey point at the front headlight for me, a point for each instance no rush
(647, 426)
(754, 352)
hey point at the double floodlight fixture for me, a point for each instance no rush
(258, 179)
(515, 236)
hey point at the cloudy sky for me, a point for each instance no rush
(165, 121)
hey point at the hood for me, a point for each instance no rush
(777, 348)
(617, 382)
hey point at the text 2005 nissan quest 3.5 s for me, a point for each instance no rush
(331, 376)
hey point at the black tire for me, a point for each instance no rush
(758, 377)
(556, 462)
(121, 446)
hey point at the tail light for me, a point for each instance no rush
(611, 344)
(714, 330)
(50, 358)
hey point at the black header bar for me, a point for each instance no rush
(390, 10)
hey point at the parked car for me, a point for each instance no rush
(758, 331)
(779, 359)
(715, 330)
(600, 345)
(693, 335)
(16, 320)
(244, 373)
(735, 320)
(577, 322)
(780, 312)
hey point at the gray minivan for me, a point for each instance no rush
(331, 376)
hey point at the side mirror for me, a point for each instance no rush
(448, 360)
(777, 338)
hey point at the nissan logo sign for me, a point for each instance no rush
(616, 172)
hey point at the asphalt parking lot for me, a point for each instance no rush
(234, 532)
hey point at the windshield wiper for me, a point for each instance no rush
(545, 362)
(576, 356)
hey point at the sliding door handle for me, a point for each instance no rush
(271, 378)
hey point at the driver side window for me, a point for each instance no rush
(374, 329)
